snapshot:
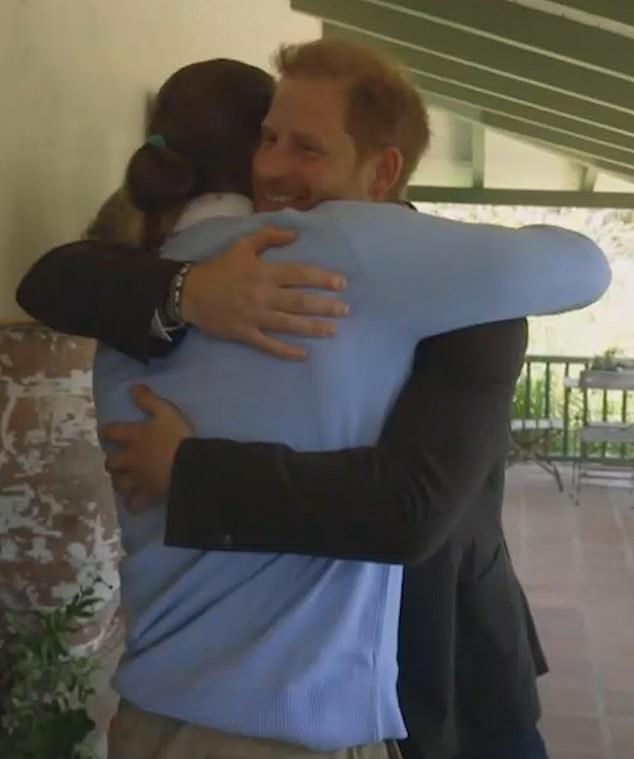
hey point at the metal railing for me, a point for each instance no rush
(542, 393)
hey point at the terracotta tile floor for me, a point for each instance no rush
(577, 566)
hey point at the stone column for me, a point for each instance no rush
(58, 526)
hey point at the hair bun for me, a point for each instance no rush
(158, 177)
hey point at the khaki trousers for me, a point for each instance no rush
(135, 734)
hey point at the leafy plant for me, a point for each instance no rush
(529, 405)
(570, 407)
(609, 360)
(44, 688)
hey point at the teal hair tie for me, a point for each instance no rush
(157, 140)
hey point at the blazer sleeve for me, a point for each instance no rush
(104, 290)
(395, 502)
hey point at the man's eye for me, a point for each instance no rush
(308, 148)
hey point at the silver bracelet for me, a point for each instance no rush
(175, 296)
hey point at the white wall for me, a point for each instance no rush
(74, 75)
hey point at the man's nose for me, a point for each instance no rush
(273, 163)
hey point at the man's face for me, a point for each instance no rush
(306, 156)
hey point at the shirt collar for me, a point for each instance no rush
(213, 204)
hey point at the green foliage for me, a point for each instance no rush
(547, 397)
(608, 360)
(529, 405)
(43, 687)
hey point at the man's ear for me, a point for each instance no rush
(388, 168)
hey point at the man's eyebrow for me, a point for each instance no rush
(302, 136)
(308, 137)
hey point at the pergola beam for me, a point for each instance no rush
(620, 159)
(575, 153)
(387, 22)
(526, 114)
(550, 138)
(555, 36)
(495, 84)
(621, 11)
(504, 197)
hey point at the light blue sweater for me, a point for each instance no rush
(298, 648)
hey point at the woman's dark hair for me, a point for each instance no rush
(208, 115)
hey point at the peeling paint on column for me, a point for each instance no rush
(58, 525)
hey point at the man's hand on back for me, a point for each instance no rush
(242, 297)
(141, 463)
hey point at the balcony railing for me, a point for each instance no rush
(542, 394)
